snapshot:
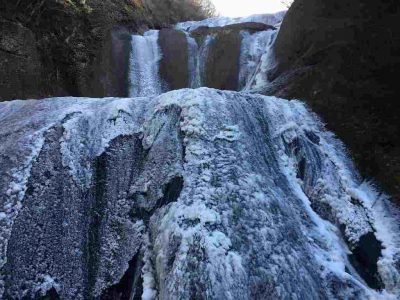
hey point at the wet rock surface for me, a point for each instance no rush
(19, 63)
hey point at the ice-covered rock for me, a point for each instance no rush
(269, 19)
(193, 194)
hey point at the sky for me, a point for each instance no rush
(240, 8)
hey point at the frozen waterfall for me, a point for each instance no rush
(195, 193)
(197, 60)
(146, 56)
(191, 194)
(254, 47)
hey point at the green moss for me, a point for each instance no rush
(81, 6)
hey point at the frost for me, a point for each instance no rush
(269, 19)
(270, 206)
(229, 133)
(47, 284)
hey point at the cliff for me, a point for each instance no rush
(71, 47)
(342, 58)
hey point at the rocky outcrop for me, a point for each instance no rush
(342, 58)
(144, 197)
(73, 47)
(250, 27)
(174, 68)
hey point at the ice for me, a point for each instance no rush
(269, 19)
(266, 192)
(144, 65)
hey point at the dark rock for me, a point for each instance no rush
(19, 61)
(130, 286)
(251, 27)
(222, 65)
(343, 59)
(364, 258)
(113, 65)
(174, 63)
(74, 48)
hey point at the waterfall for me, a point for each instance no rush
(195, 193)
(254, 47)
(146, 55)
(259, 80)
(144, 65)
(197, 60)
(193, 63)
(227, 191)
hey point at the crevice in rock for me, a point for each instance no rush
(301, 168)
(130, 287)
(181, 136)
(171, 191)
(313, 137)
(364, 258)
(103, 194)
(98, 205)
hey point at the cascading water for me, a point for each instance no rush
(197, 60)
(144, 65)
(193, 62)
(146, 55)
(254, 47)
(259, 80)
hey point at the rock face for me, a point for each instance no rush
(222, 65)
(218, 57)
(174, 67)
(342, 58)
(19, 63)
(190, 195)
(74, 47)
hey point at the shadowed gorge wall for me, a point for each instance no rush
(343, 59)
